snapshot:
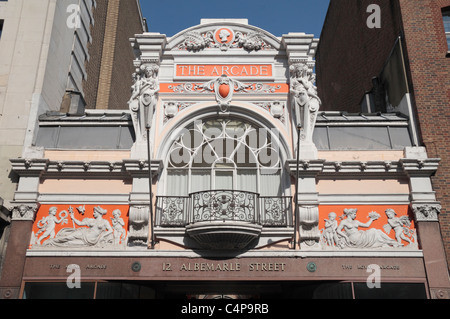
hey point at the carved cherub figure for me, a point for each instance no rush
(398, 224)
(47, 225)
(118, 225)
(329, 233)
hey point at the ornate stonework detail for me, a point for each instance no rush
(223, 38)
(224, 88)
(252, 41)
(346, 233)
(25, 211)
(259, 88)
(144, 97)
(171, 109)
(276, 108)
(139, 226)
(426, 212)
(195, 41)
(309, 226)
(305, 101)
(77, 229)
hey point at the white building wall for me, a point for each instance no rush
(35, 60)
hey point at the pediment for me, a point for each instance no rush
(224, 35)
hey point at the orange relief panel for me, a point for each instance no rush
(367, 226)
(85, 226)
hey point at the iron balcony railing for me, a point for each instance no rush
(224, 205)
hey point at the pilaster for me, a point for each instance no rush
(307, 219)
(426, 211)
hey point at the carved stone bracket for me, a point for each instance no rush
(139, 226)
(309, 226)
(426, 212)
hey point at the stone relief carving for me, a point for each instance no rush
(347, 233)
(24, 211)
(172, 108)
(224, 38)
(96, 232)
(251, 41)
(224, 89)
(426, 212)
(305, 101)
(276, 108)
(144, 97)
(194, 41)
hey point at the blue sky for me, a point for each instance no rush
(275, 16)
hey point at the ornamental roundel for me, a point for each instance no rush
(224, 35)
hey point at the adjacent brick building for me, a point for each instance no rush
(356, 64)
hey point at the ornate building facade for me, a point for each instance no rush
(223, 177)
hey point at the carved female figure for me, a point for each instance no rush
(305, 101)
(144, 97)
(355, 238)
(96, 232)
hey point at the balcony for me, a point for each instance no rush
(223, 219)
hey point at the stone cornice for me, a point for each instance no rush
(84, 169)
(381, 169)
(420, 167)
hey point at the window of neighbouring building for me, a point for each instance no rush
(446, 18)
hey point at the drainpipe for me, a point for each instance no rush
(299, 126)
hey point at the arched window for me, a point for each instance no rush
(225, 154)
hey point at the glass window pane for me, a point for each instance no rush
(177, 182)
(359, 138)
(200, 180)
(400, 137)
(246, 180)
(270, 182)
(333, 291)
(127, 138)
(58, 290)
(320, 138)
(390, 291)
(224, 179)
(89, 137)
(47, 136)
(117, 290)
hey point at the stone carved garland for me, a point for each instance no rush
(224, 39)
(87, 232)
(224, 87)
(347, 233)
